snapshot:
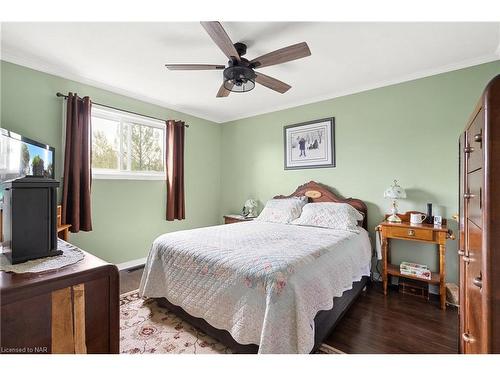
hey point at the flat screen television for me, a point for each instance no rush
(21, 156)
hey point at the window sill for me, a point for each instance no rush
(128, 176)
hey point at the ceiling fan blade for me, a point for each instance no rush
(272, 83)
(220, 37)
(223, 92)
(194, 67)
(293, 52)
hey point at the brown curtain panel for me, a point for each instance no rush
(175, 170)
(77, 170)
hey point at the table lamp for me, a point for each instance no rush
(394, 192)
(250, 206)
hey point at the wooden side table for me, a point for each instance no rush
(62, 229)
(229, 219)
(427, 233)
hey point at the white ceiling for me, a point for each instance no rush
(129, 58)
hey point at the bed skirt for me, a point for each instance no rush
(324, 322)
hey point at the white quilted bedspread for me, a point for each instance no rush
(262, 282)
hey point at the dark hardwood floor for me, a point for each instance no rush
(130, 280)
(380, 325)
(396, 324)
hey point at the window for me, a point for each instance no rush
(127, 146)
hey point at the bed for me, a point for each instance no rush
(262, 287)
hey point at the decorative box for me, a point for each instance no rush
(414, 288)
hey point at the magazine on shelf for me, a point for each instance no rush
(424, 274)
(413, 266)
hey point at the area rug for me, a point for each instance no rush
(147, 328)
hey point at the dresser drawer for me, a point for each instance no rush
(421, 234)
(473, 197)
(474, 143)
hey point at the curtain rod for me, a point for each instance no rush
(59, 95)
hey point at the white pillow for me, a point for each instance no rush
(332, 215)
(282, 211)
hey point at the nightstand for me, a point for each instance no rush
(230, 219)
(62, 229)
(426, 233)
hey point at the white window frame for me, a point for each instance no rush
(125, 117)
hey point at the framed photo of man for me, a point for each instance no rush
(310, 144)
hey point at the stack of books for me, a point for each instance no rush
(415, 269)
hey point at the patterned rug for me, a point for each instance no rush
(147, 328)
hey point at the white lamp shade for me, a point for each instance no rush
(250, 203)
(395, 192)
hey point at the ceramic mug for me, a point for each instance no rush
(417, 218)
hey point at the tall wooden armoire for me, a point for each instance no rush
(479, 245)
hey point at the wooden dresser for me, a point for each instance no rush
(74, 309)
(479, 245)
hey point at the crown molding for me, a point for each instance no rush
(380, 84)
(37, 64)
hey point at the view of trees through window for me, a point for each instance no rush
(126, 146)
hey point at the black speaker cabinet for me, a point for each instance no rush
(30, 218)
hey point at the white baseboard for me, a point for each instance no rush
(131, 264)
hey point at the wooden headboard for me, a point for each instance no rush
(320, 193)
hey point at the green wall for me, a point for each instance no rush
(407, 131)
(127, 214)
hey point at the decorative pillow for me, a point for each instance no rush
(282, 211)
(332, 215)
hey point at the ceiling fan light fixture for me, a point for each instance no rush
(239, 86)
(239, 78)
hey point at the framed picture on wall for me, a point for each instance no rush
(310, 144)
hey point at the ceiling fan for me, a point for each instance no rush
(239, 75)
